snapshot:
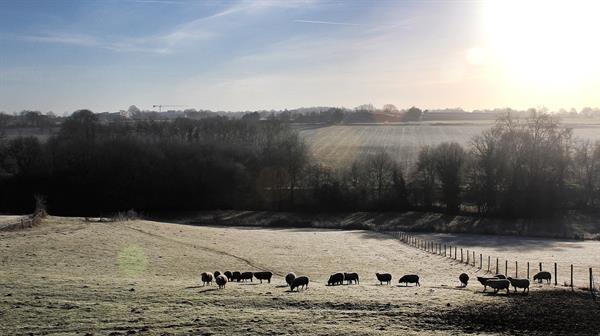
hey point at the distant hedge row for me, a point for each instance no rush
(519, 168)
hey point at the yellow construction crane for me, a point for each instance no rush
(161, 106)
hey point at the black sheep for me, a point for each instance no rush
(464, 279)
(410, 278)
(384, 277)
(263, 276)
(336, 279)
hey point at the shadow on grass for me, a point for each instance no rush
(541, 312)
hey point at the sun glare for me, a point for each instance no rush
(552, 45)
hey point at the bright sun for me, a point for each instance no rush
(552, 45)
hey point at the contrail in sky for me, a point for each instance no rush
(328, 22)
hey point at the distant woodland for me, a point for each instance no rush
(520, 168)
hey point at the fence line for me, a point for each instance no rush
(434, 247)
(26, 221)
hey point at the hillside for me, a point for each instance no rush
(68, 276)
(339, 145)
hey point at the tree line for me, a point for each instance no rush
(520, 168)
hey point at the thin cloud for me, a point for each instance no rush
(162, 2)
(80, 40)
(334, 23)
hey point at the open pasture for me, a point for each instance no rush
(69, 277)
(340, 145)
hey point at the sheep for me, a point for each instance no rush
(349, 277)
(484, 280)
(289, 278)
(263, 276)
(229, 275)
(216, 274)
(519, 283)
(207, 278)
(498, 284)
(301, 281)
(247, 276)
(500, 276)
(543, 276)
(236, 276)
(410, 278)
(221, 281)
(464, 279)
(384, 277)
(336, 279)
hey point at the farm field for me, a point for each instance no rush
(68, 276)
(340, 145)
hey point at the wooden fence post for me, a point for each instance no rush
(555, 274)
(455, 252)
(461, 255)
(473, 258)
(516, 269)
(467, 257)
(572, 277)
(480, 261)
(528, 270)
(489, 264)
(506, 267)
(496, 265)
(450, 251)
(444, 250)
(540, 266)
(592, 284)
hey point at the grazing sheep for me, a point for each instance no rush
(336, 279)
(298, 282)
(484, 280)
(384, 277)
(543, 276)
(464, 279)
(289, 278)
(410, 278)
(207, 278)
(247, 276)
(500, 276)
(216, 274)
(519, 283)
(236, 276)
(221, 281)
(263, 276)
(498, 284)
(229, 275)
(349, 277)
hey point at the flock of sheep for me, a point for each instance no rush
(497, 282)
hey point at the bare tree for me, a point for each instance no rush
(425, 175)
(449, 159)
(381, 171)
(586, 171)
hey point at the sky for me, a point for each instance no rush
(106, 55)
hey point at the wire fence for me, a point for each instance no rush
(564, 274)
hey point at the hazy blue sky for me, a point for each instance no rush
(239, 55)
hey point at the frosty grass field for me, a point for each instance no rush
(70, 277)
(340, 144)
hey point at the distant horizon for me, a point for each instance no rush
(259, 55)
(377, 108)
(400, 108)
